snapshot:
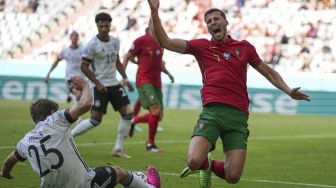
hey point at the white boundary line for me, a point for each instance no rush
(187, 141)
(251, 180)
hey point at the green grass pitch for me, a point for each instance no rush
(283, 151)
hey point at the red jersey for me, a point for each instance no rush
(149, 56)
(224, 70)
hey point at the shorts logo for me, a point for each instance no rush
(97, 103)
(201, 125)
(151, 97)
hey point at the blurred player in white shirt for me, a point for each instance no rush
(53, 155)
(72, 55)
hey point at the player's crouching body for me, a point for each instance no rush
(53, 155)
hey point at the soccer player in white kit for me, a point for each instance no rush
(100, 63)
(53, 155)
(72, 55)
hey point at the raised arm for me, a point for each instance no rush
(85, 101)
(176, 45)
(275, 78)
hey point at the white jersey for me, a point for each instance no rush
(103, 56)
(53, 155)
(73, 61)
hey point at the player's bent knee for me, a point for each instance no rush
(104, 174)
(156, 111)
(194, 164)
(232, 179)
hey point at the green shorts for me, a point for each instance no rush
(149, 95)
(225, 121)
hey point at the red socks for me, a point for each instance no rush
(218, 168)
(141, 119)
(205, 164)
(153, 122)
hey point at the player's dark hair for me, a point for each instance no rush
(147, 29)
(41, 109)
(214, 10)
(73, 33)
(103, 16)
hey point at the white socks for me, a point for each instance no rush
(139, 180)
(123, 129)
(82, 127)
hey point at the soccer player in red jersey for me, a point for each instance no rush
(148, 82)
(223, 62)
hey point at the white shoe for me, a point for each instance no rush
(120, 154)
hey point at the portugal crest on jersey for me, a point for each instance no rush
(226, 55)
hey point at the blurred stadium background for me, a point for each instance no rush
(296, 37)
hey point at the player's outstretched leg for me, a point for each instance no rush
(153, 177)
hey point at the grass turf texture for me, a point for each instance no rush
(283, 150)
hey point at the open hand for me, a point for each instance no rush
(298, 95)
(101, 88)
(128, 84)
(46, 79)
(172, 80)
(78, 82)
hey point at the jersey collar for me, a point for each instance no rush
(228, 41)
